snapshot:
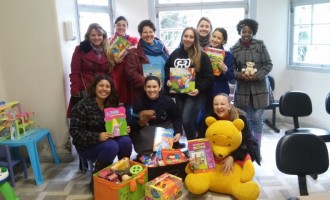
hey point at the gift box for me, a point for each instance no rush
(166, 186)
(133, 188)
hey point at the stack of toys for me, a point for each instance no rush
(14, 122)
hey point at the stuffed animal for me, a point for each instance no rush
(249, 70)
(225, 137)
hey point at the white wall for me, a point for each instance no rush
(273, 29)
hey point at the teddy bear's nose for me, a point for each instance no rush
(220, 155)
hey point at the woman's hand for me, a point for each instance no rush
(228, 164)
(193, 93)
(105, 136)
(176, 138)
(168, 83)
(128, 129)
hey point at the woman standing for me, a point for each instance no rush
(118, 66)
(90, 58)
(252, 92)
(150, 50)
(87, 126)
(204, 28)
(190, 55)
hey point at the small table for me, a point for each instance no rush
(30, 141)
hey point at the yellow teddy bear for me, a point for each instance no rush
(225, 137)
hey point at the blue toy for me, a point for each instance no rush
(5, 188)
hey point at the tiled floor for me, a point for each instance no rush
(66, 182)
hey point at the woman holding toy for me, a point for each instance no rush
(252, 93)
(87, 126)
(154, 109)
(223, 110)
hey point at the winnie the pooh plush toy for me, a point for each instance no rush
(249, 70)
(225, 137)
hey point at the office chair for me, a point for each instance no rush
(297, 104)
(327, 103)
(275, 104)
(301, 155)
(7, 161)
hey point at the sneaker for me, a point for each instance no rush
(178, 145)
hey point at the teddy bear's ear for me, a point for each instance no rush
(210, 120)
(239, 124)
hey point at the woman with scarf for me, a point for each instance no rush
(118, 65)
(204, 28)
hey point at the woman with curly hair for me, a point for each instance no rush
(87, 126)
(252, 93)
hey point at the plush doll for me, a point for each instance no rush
(249, 70)
(225, 137)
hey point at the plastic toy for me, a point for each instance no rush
(5, 188)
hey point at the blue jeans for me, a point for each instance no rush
(255, 120)
(108, 150)
(189, 108)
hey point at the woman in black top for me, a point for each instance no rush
(223, 110)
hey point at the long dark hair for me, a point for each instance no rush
(112, 100)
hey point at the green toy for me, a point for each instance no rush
(6, 190)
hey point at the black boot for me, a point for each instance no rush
(98, 166)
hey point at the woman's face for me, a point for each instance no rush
(121, 27)
(103, 89)
(188, 39)
(152, 89)
(217, 39)
(221, 107)
(96, 37)
(246, 34)
(148, 35)
(204, 28)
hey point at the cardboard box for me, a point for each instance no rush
(133, 188)
(164, 187)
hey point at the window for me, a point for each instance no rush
(94, 11)
(174, 15)
(309, 30)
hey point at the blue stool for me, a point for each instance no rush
(8, 161)
(30, 141)
(87, 166)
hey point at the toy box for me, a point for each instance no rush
(164, 187)
(132, 188)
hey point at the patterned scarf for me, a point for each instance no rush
(97, 50)
(157, 49)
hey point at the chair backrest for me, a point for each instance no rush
(302, 154)
(327, 103)
(295, 104)
(271, 81)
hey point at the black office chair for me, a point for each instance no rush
(297, 104)
(327, 103)
(302, 154)
(275, 104)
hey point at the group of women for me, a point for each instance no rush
(99, 80)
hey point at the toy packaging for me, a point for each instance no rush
(166, 186)
(217, 56)
(115, 121)
(200, 150)
(119, 46)
(182, 80)
(123, 180)
(172, 156)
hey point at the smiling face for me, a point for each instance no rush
(121, 27)
(102, 90)
(246, 34)
(217, 39)
(96, 37)
(221, 107)
(204, 28)
(148, 35)
(152, 89)
(188, 39)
